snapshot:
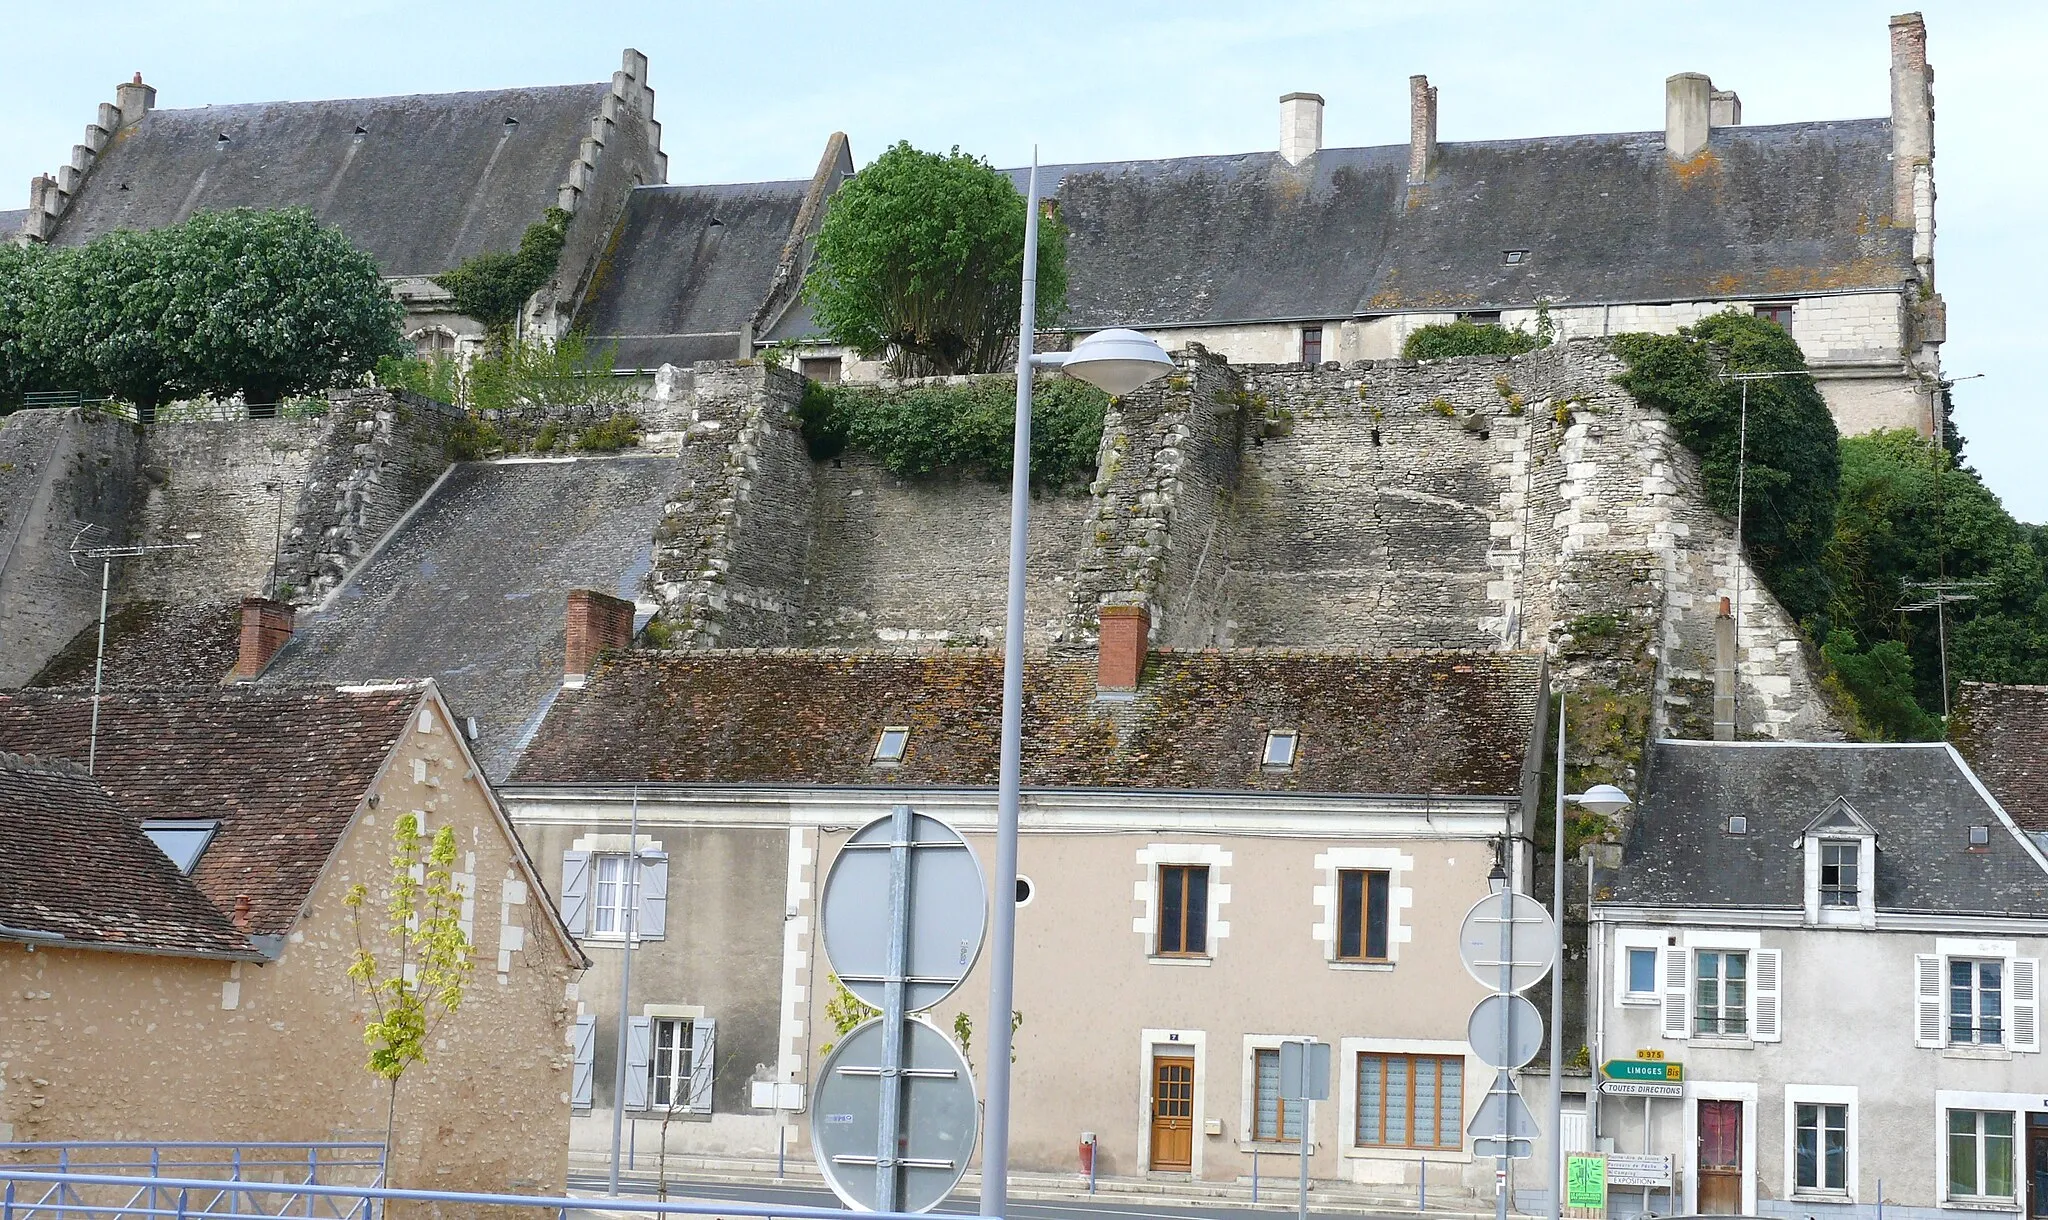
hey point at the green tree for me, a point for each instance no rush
(25, 357)
(1447, 339)
(494, 286)
(921, 256)
(420, 983)
(105, 304)
(1793, 466)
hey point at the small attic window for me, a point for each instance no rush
(181, 839)
(890, 745)
(1980, 836)
(1513, 258)
(1738, 825)
(1280, 747)
(1484, 317)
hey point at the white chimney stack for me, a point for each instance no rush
(1687, 113)
(1301, 127)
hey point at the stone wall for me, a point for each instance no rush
(58, 469)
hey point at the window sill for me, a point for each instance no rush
(1390, 1152)
(1967, 1051)
(1722, 1042)
(1276, 1147)
(1981, 1205)
(1341, 964)
(1811, 1195)
(1643, 999)
(1165, 959)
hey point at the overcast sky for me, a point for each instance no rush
(750, 91)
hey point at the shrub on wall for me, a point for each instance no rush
(1447, 339)
(962, 428)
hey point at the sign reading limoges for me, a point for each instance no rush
(1643, 1069)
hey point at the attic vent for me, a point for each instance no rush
(510, 121)
(1513, 258)
(362, 130)
(1738, 825)
(1980, 836)
(890, 746)
(716, 223)
(221, 141)
(124, 186)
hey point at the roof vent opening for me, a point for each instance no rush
(510, 121)
(221, 141)
(362, 130)
(1738, 825)
(1980, 836)
(889, 747)
(1513, 258)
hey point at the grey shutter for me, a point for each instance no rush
(1674, 991)
(652, 921)
(636, 1063)
(576, 891)
(1766, 996)
(586, 1062)
(1927, 997)
(2026, 1004)
(703, 1063)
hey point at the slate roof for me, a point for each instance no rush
(1448, 724)
(76, 869)
(472, 589)
(2003, 731)
(1919, 798)
(282, 769)
(153, 643)
(687, 269)
(431, 180)
(11, 221)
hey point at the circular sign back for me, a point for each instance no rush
(941, 1118)
(948, 909)
(1484, 941)
(1509, 1020)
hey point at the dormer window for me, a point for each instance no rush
(1280, 748)
(890, 745)
(182, 839)
(1839, 863)
(1839, 860)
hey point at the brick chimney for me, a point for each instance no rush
(1724, 674)
(1301, 127)
(596, 624)
(266, 627)
(1421, 129)
(1121, 643)
(135, 100)
(1688, 111)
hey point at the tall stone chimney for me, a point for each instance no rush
(1688, 111)
(1421, 129)
(135, 100)
(1121, 644)
(266, 628)
(596, 624)
(1912, 119)
(1724, 674)
(1724, 108)
(1301, 127)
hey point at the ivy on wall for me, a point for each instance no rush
(1446, 339)
(493, 287)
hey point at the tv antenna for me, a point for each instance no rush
(1938, 596)
(95, 541)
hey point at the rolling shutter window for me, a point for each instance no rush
(703, 1063)
(1765, 996)
(576, 891)
(586, 1062)
(1674, 991)
(1927, 999)
(636, 1063)
(2026, 1004)
(652, 921)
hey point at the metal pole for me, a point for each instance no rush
(632, 883)
(99, 665)
(995, 1139)
(1255, 1175)
(889, 1122)
(1647, 1152)
(1557, 983)
(1507, 1031)
(1307, 1109)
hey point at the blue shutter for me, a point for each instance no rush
(652, 921)
(636, 1063)
(586, 1061)
(703, 1063)
(576, 891)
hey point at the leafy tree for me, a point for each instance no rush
(1793, 465)
(106, 304)
(1447, 339)
(494, 286)
(921, 255)
(25, 358)
(422, 983)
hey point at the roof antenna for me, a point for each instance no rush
(93, 542)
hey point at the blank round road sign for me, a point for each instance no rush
(1523, 1028)
(940, 1116)
(1483, 940)
(948, 912)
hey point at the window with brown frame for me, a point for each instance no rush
(1362, 915)
(1411, 1101)
(1183, 910)
(1274, 1118)
(1311, 345)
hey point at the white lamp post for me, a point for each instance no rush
(1117, 361)
(1605, 800)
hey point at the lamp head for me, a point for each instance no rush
(1603, 799)
(1117, 361)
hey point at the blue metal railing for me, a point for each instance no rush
(95, 1174)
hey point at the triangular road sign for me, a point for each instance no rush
(1502, 1101)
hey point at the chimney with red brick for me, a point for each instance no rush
(266, 627)
(597, 624)
(1121, 645)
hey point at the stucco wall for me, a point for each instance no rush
(106, 1045)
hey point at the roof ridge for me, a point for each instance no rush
(206, 107)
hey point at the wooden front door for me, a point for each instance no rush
(1173, 1113)
(2037, 1164)
(1720, 1158)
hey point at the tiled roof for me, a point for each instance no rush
(153, 644)
(2003, 731)
(1919, 798)
(1425, 723)
(75, 868)
(282, 768)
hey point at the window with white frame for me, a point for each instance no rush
(1976, 1002)
(669, 1067)
(1639, 972)
(1721, 993)
(1820, 1144)
(1838, 873)
(1980, 1155)
(611, 898)
(1979, 997)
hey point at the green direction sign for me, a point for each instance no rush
(1585, 1177)
(1642, 1069)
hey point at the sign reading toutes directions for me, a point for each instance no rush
(1508, 943)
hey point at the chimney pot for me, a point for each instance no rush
(1301, 126)
(135, 100)
(1688, 107)
(243, 907)
(596, 624)
(1121, 643)
(1724, 674)
(1421, 129)
(266, 628)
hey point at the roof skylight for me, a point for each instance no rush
(894, 740)
(181, 839)
(1280, 748)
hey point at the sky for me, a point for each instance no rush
(751, 91)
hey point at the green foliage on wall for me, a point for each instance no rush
(960, 428)
(1447, 339)
(494, 286)
(920, 256)
(515, 375)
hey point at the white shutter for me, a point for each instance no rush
(586, 1062)
(636, 1063)
(652, 922)
(1674, 991)
(2026, 1004)
(1766, 1019)
(576, 891)
(1927, 998)
(703, 1063)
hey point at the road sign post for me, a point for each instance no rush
(1508, 942)
(1305, 1077)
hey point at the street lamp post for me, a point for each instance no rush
(1605, 799)
(1117, 361)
